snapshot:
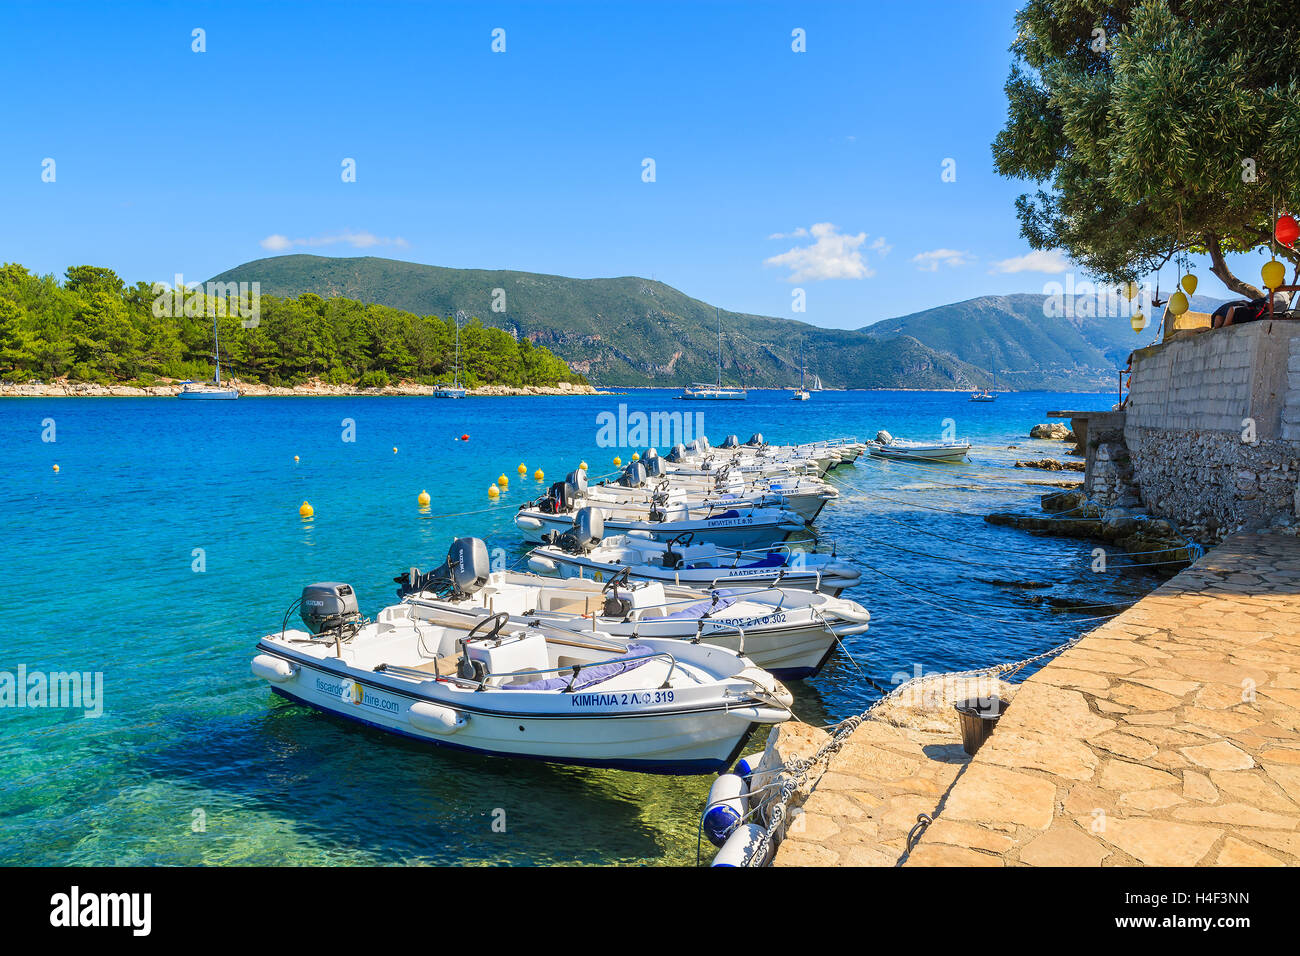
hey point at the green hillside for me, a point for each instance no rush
(633, 331)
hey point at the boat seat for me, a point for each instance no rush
(444, 666)
(585, 606)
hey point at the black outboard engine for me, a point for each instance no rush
(634, 475)
(588, 528)
(756, 440)
(731, 441)
(468, 566)
(654, 466)
(330, 606)
(649, 453)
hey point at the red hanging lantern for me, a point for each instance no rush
(1287, 230)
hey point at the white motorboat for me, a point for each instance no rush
(788, 632)
(887, 446)
(805, 497)
(582, 552)
(541, 692)
(741, 526)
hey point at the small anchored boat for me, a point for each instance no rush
(887, 446)
(582, 552)
(789, 633)
(541, 692)
(742, 526)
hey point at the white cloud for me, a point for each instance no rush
(357, 240)
(1040, 260)
(833, 255)
(880, 246)
(931, 260)
(799, 233)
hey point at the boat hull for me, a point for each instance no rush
(578, 566)
(685, 732)
(739, 532)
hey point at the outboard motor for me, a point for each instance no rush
(588, 528)
(634, 475)
(654, 466)
(468, 565)
(557, 499)
(329, 606)
(677, 454)
(756, 440)
(649, 453)
(884, 437)
(578, 481)
(731, 441)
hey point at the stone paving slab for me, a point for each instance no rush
(1169, 736)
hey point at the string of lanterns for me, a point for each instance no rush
(1285, 230)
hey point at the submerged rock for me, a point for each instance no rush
(1050, 464)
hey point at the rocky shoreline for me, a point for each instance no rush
(312, 389)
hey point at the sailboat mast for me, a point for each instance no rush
(216, 350)
(718, 313)
(801, 366)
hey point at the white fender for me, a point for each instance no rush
(849, 610)
(275, 669)
(769, 683)
(740, 846)
(541, 564)
(528, 521)
(727, 806)
(435, 718)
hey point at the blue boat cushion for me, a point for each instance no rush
(694, 611)
(593, 674)
(773, 559)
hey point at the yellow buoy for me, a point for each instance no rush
(618, 462)
(522, 469)
(493, 492)
(306, 510)
(394, 449)
(1189, 284)
(1139, 321)
(424, 499)
(1178, 304)
(636, 456)
(56, 467)
(1273, 273)
(295, 457)
(503, 481)
(583, 466)
(538, 474)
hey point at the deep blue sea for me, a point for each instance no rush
(194, 761)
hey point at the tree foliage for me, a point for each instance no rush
(95, 328)
(1158, 126)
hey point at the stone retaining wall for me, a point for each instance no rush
(1212, 426)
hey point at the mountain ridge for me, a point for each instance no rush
(633, 331)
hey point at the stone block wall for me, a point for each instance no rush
(1212, 426)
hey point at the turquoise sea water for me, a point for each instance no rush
(97, 566)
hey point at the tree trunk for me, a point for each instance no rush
(1220, 268)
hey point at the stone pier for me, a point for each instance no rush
(1169, 736)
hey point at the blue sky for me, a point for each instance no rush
(169, 161)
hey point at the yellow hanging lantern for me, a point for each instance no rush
(1273, 273)
(1139, 321)
(1189, 284)
(1131, 290)
(1178, 304)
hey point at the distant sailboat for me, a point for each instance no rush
(715, 393)
(209, 390)
(454, 390)
(801, 393)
